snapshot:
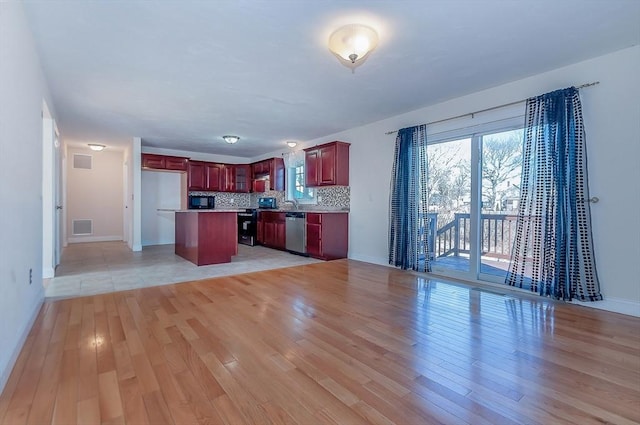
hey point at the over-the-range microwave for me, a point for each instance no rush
(201, 202)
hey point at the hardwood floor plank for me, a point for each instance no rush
(66, 398)
(133, 404)
(157, 409)
(14, 377)
(109, 399)
(340, 342)
(89, 411)
(122, 359)
(44, 399)
(228, 412)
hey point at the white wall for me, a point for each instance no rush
(160, 190)
(22, 90)
(612, 121)
(48, 193)
(136, 187)
(96, 194)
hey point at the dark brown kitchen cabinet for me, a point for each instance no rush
(327, 235)
(271, 229)
(162, 162)
(175, 163)
(214, 175)
(260, 168)
(327, 165)
(276, 174)
(204, 176)
(196, 177)
(260, 231)
(237, 178)
(274, 169)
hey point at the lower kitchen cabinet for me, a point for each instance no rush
(271, 229)
(327, 235)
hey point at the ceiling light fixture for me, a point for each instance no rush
(292, 144)
(96, 146)
(352, 44)
(231, 139)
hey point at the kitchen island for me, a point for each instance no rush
(206, 236)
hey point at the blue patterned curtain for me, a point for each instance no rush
(409, 227)
(553, 250)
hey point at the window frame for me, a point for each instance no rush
(295, 179)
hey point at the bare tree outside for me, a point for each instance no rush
(449, 177)
(501, 168)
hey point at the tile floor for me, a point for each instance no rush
(101, 267)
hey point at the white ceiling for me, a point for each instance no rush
(181, 74)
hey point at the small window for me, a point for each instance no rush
(295, 186)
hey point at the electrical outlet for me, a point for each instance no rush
(319, 198)
(231, 200)
(30, 276)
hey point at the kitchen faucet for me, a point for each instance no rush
(294, 202)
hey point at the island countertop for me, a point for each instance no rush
(215, 210)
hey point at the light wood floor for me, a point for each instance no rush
(342, 342)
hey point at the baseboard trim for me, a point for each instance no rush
(48, 272)
(94, 239)
(4, 377)
(373, 260)
(615, 305)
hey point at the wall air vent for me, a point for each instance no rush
(82, 161)
(82, 227)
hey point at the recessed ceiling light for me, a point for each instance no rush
(292, 144)
(231, 139)
(96, 146)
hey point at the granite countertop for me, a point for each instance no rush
(310, 210)
(216, 210)
(227, 210)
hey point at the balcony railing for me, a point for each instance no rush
(454, 238)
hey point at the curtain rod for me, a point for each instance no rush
(490, 109)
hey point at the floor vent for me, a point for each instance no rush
(82, 227)
(82, 161)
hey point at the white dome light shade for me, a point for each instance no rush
(96, 146)
(231, 139)
(353, 42)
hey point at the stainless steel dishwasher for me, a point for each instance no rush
(296, 232)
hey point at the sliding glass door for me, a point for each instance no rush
(449, 198)
(473, 188)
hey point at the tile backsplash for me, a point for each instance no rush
(329, 198)
(338, 197)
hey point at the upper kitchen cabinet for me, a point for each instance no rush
(215, 177)
(327, 165)
(162, 162)
(204, 176)
(196, 177)
(274, 169)
(237, 178)
(276, 174)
